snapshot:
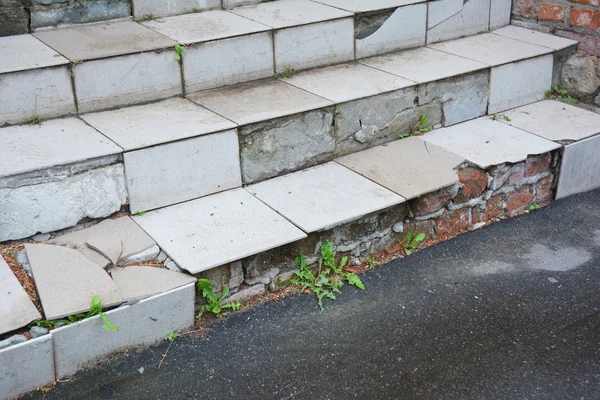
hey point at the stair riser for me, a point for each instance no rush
(580, 169)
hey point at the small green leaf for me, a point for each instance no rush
(353, 279)
(107, 324)
(95, 307)
(171, 336)
(420, 237)
(140, 213)
(408, 252)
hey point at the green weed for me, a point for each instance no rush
(534, 207)
(179, 51)
(371, 262)
(287, 73)
(563, 95)
(413, 242)
(496, 117)
(171, 336)
(214, 304)
(95, 309)
(140, 213)
(150, 17)
(420, 128)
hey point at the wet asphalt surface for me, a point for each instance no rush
(511, 311)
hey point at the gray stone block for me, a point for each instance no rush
(47, 207)
(580, 168)
(162, 8)
(13, 20)
(66, 13)
(286, 144)
(146, 322)
(26, 366)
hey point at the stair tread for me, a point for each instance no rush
(217, 229)
(157, 123)
(333, 83)
(288, 13)
(139, 281)
(205, 26)
(100, 40)
(424, 64)
(311, 198)
(258, 101)
(25, 52)
(361, 6)
(534, 37)
(409, 167)
(55, 142)
(491, 49)
(485, 143)
(554, 120)
(17, 309)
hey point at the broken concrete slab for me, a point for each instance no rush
(450, 19)
(109, 246)
(579, 168)
(217, 229)
(16, 308)
(310, 198)
(135, 241)
(409, 167)
(93, 41)
(67, 281)
(138, 282)
(486, 143)
(362, 6)
(534, 37)
(24, 52)
(554, 120)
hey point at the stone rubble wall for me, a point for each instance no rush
(481, 197)
(574, 19)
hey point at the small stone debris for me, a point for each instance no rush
(141, 370)
(37, 331)
(21, 258)
(11, 341)
(552, 280)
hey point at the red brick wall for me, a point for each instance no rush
(574, 19)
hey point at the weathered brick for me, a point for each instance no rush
(588, 2)
(519, 198)
(525, 8)
(552, 12)
(543, 189)
(494, 207)
(453, 222)
(432, 202)
(584, 18)
(587, 43)
(474, 182)
(537, 164)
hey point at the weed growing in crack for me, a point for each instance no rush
(413, 242)
(95, 309)
(179, 52)
(214, 304)
(559, 94)
(371, 262)
(497, 117)
(329, 279)
(419, 129)
(150, 17)
(287, 73)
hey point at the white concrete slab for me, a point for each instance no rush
(449, 19)
(519, 83)
(287, 13)
(314, 45)
(47, 92)
(67, 281)
(100, 40)
(218, 229)
(361, 6)
(555, 120)
(110, 247)
(500, 13)
(81, 344)
(24, 52)
(16, 309)
(26, 366)
(424, 64)
(409, 167)
(404, 29)
(486, 143)
(166, 121)
(534, 37)
(311, 198)
(133, 238)
(491, 49)
(180, 171)
(127, 80)
(139, 282)
(228, 61)
(161, 8)
(258, 101)
(347, 82)
(579, 168)
(28, 148)
(204, 27)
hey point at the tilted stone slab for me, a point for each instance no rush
(534, 37)
(60, 201)
(485, 143)
(424, 64)
(346, 82)
(108, 39)
(184, 170)
(24, 52)
(449, 19)
(311, 198)
(26, 366)
(554, 120)
(138, 282)
(161, 8)
(67, 281)
(16, 308)
(580, 168)
(28, 148)
(147, 125)
(217, 229)
(500, 13)
(361, 6)
(491, 49)
(85, 342)
(133, 238)
(410, 167)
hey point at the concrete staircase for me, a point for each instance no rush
(237, 137)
